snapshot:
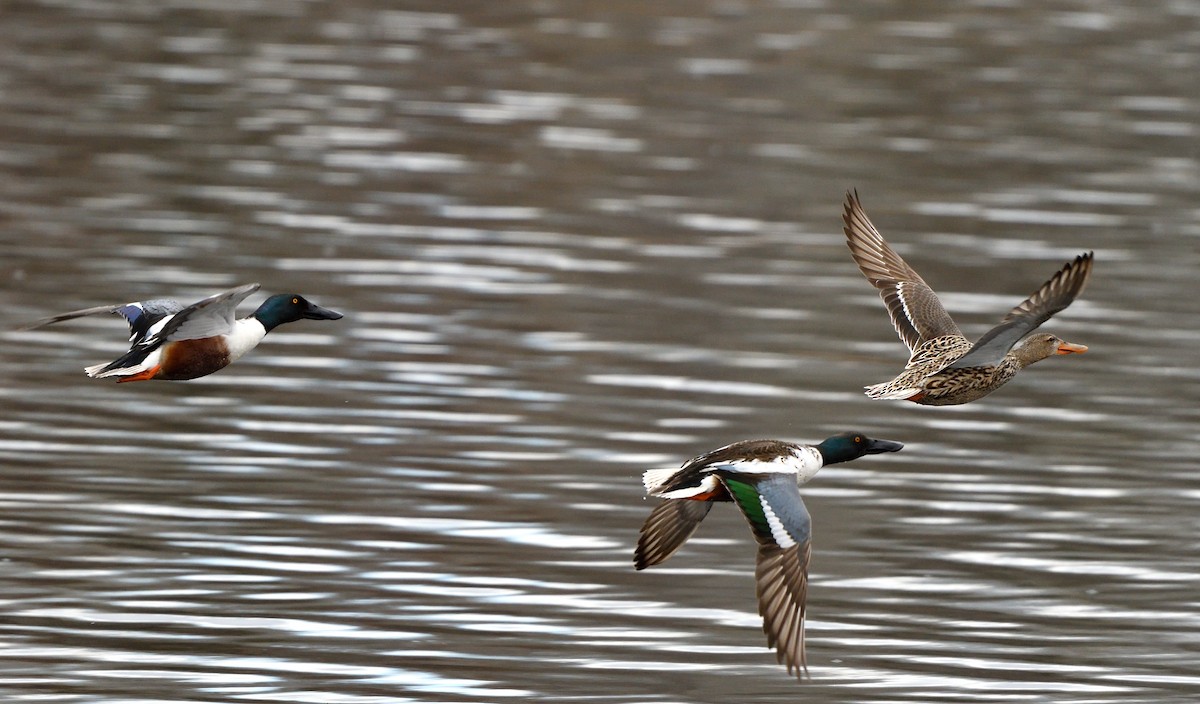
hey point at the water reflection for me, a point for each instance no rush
(574, 242)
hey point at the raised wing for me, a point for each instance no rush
(667, 528)
(915, 309)
(206, 318)
(1053, 296)
(772, 505)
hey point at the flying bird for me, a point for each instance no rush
(763, 478)
(174, 342)
(944, 368)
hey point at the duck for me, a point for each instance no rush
(763, 477)
(173, 342)
(944, 367)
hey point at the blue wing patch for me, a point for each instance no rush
(142, 315)
(772, 505)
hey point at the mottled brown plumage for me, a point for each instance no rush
(944, 367)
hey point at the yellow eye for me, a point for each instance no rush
(295, 301)
(857, 439)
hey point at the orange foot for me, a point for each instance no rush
(141, 376)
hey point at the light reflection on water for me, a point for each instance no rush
(573, 243)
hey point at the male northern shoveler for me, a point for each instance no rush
(763, 478)
(944, 368)
(173, 342)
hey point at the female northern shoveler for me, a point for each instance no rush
(763, 478)
(173, 342)
(945, 368)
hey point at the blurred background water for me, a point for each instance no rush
(573, 241)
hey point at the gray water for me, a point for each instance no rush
(573, 241)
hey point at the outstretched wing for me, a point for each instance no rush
(667, 528)
(140, 315)
(915, 309)
(1054, 295)
(782, 578)
(772, 505)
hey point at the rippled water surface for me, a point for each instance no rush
(573, 241)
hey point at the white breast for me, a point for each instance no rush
(245, 336)
(808, 462)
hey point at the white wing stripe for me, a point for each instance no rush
(157, 327)
(782, 538)
(904, 301)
